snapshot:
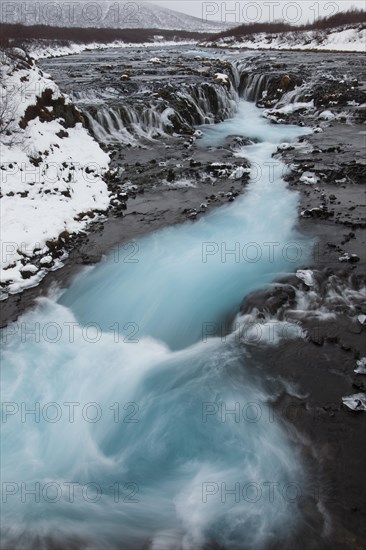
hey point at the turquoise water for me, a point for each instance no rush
(128, 353)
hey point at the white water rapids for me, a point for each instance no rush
(132, 444)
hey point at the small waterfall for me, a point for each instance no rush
(235, 73)
(114, 118)
(152, 118)
(116, 124)
(107, 126)
(254, 86)
(208, 103)
(178, 111)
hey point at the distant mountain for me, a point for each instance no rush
(104, 14)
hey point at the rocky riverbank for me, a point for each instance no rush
(327, 298)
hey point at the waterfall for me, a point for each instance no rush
(107, 126)
(116, 124)
(255, 85)
(150, 116)
(131, 122)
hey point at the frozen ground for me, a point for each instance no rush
(51, 172)
(342, 39)
(41, 50)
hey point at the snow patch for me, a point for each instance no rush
(221, 78)
(39, 50)
(51, 176)
(355, 402)
(349, 38)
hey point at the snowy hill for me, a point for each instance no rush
(104, 14)
(346, 38)
(51, 172)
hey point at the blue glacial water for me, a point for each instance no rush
(134, 419)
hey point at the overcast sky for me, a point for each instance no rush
(260, 10)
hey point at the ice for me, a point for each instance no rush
(355, 402)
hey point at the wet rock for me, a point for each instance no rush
(351, 258)
(306, 275)
(361, 366)
(191, 213)
(315, 338)
(356, 402)
(47, 262)
(219, 169)
(60, 109)
(28, 271)
(273, 300)
(237, 142)
(285, 82)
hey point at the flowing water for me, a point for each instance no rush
(134, 399)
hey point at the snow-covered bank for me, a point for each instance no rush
(350, 38)
(51, 173)
(39, 49)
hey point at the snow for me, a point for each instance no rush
(30, 268)
(41, 50)
(291, 108)
(275, 113)
(350, 38)
(239, 172)
(361, 366)
(46, 260)
(355, 402)
(305, 275)
(221, 78)
(327, 115)
(309, 178)
(348, 257)
(45, 197)
(155, 61)
(110, 14)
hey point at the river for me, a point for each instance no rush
(151, 427)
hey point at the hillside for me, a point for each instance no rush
(42, 37)
(343, 31)
(349, 38)
(104, 14)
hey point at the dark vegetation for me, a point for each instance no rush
(18, 35)
(342, 18)
(67, 112)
